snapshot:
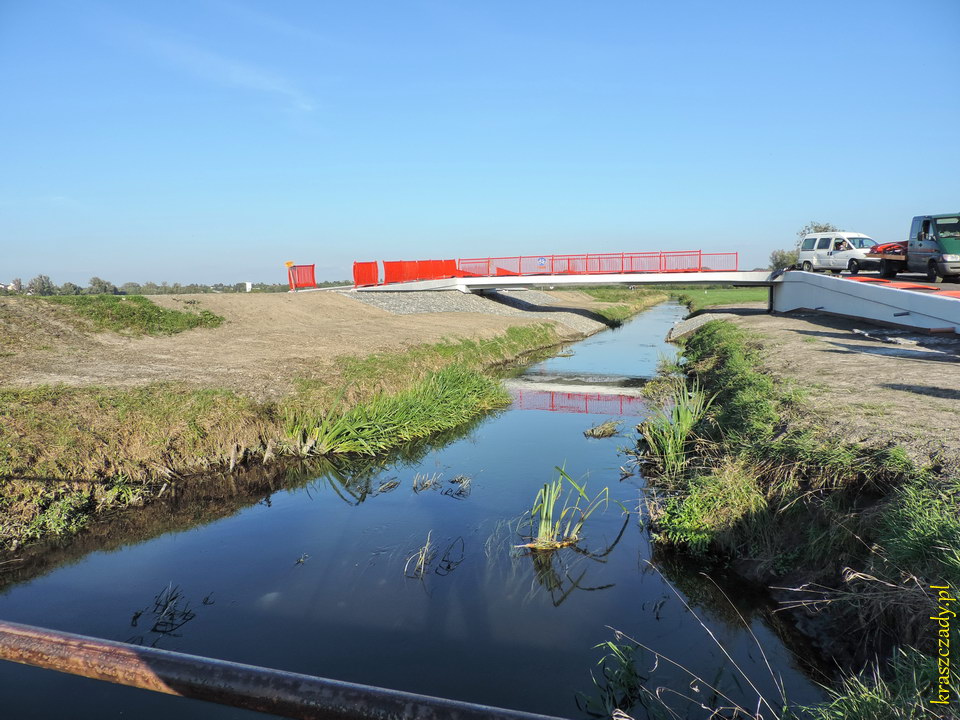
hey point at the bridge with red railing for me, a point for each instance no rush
(910, 305)
(470, 274)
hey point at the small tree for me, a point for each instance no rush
(131, 288)
(814, 227)
(41, 285)
(17, 285)
(68, 288)
(101, 287)
(780, 259)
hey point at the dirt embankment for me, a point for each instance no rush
(266, 341)
(866, 384)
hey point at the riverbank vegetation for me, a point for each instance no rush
(70, 453)
(854, 532)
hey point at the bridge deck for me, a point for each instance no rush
(473, 284)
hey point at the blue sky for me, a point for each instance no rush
(213, 140)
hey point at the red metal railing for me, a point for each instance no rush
(591, 403)
(604, 263)
(301, 276)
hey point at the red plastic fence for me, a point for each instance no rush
(592, 403)
(365, 274)
(406, 270)
(301, 276)
(606, 263)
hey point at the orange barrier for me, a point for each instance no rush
(301, 276)
(604, 263)
(395, 271)
(365, 274)
(900, 285)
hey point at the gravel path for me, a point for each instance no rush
(515, 303)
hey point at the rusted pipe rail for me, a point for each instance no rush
(244, 686)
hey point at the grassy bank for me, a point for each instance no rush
(858, 531)
(694, 297)
(132, 314)
(763, 484)
(69, 453)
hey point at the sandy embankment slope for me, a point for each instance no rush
(266, 341)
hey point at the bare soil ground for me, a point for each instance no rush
(266, 341)
(867, 383)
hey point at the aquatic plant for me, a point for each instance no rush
(460, 489)
(551, 529)
(417, 564)
(667, 432)
(603, 430)
(422, 481)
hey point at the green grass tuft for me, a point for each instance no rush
(444, 399)
(133, 314)
(920, 530)
(667, 432)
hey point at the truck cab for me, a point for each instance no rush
(933, 247)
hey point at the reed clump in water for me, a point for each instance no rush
(603, 430)
(418, 563)
(553, 528)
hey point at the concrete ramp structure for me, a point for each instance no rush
(903, 304)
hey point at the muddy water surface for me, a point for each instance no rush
(318, 579)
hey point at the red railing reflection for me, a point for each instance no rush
(574, 402)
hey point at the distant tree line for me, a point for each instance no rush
(42, 285)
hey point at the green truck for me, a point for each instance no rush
(933, 249)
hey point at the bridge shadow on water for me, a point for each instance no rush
(526, 306)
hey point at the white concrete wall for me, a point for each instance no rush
(871, 301)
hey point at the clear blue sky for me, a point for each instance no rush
(213, 140)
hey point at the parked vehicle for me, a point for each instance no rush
(836, 251)
(933, 249)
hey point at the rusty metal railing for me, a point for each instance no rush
(243, 686)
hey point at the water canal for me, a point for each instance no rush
(312, 578)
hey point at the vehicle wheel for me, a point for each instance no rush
(807, 266)
(887, 270)
(853, 267)
(932, 273)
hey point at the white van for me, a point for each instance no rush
(836, 251)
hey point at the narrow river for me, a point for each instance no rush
(314, 578)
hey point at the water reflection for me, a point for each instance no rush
(579, 402)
